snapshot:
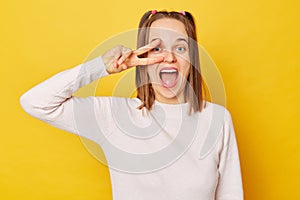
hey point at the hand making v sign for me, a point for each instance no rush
(121, 58)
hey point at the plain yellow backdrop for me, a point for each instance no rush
(255, 45)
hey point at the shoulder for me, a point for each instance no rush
(215, 117)
(220, 120)
(217, 110)
(220, 129)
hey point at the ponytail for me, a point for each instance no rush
(190, 18)
(144, 18)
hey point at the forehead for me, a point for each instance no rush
(167, 28)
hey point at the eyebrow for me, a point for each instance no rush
(177, 40)
(182, 39)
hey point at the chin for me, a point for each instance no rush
(168, 94)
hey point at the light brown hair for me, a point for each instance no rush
(193, 92)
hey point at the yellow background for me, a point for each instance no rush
(255, 45)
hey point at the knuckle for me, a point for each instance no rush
(120, 47)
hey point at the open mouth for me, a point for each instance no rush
(168, 77)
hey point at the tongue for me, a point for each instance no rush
(169, 79)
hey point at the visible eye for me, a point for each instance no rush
(157, 49)
(181, 49)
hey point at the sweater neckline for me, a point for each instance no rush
(182, 107)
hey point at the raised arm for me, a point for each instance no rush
(52, 102)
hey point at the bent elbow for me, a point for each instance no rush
(29, 105)
(25, 103)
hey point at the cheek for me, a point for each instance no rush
(185, 67)
(186, 72)
(151, 71)
(184, 57)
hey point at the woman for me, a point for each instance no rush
(168, 143)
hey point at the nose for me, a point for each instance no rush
(169, 56)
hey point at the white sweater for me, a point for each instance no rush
(165, 154)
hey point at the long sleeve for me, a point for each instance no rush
(230, 181)
(52, 102)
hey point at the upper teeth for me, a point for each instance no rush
(168, 70)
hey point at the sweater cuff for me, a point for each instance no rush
(100, 64)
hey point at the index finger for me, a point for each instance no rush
(147, 47)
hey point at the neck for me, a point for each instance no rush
(174, 100)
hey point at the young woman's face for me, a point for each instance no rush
(169, 77)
